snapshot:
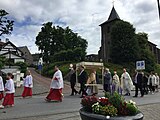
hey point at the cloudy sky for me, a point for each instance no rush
(82, 16)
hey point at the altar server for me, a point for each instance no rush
(56, 86)
(9, 90)
(28, 84)
(1, 90)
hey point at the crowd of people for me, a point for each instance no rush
(7, 100)
(122, 84)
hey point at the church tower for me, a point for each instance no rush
(104, 52)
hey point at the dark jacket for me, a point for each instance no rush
(82, 78)
(140, 79)
(73, 78)
(107, 78)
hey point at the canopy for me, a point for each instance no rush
(92, 65)
(89, 65)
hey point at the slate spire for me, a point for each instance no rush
(113, 15)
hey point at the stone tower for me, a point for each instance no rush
(104, 52)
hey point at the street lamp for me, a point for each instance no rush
(158, 8)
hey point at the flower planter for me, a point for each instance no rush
(91, 116)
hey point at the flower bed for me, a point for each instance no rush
(112, 106)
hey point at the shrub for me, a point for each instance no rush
(109, 110)
(88, 101)
(23, 66)
(116, 100)
(131, 108)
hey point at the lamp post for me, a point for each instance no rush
(158, 8)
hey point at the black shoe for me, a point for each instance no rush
(71, 94)
(126, 94)
(76, 93)
(135, 96)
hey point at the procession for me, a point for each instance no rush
(145, 84)
(79, 60)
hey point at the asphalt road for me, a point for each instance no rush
(36, 108)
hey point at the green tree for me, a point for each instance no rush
(124, 45)
(6, 25)
(145, 53)
(22, 65)
(59, 43)
(2, 61)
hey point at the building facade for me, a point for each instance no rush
(27, 55)
(11, 52)
(104, 52)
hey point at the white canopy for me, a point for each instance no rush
(92, 65)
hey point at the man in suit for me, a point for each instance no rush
(73, 81)
(82, 79)
(139, 83)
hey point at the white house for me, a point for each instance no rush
(11, 52)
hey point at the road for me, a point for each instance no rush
(46, 81)
(36, 108)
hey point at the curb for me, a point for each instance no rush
(32, 94)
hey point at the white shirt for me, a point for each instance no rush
(10, 86)
(152, 79)
(57, 80)
(28, 81)
(157, 80)
(1, 84)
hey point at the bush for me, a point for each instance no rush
(104, 110)
(131, 108)
(23, 66)
(88, 101)
(48, 68)
(116, 100)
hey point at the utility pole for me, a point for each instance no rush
(158, 8)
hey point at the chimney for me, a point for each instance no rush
(7, 40)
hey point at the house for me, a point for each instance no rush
(11, 52)
(36, 58)
(27, 55)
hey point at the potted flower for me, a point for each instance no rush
(113, 107)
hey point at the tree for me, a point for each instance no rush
(124, 45)
(6, 25)
(59, 43)
(145, 53)
(2, 61)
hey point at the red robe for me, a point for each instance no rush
(8, 99)
(56, 87)
(55, 95)
(1, 95)
(27, 92)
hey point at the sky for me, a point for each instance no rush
(82, 16)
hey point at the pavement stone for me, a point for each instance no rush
(151, 111)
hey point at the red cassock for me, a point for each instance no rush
(8, 99)
(27, 92)
(55, 94)
(1, 95)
